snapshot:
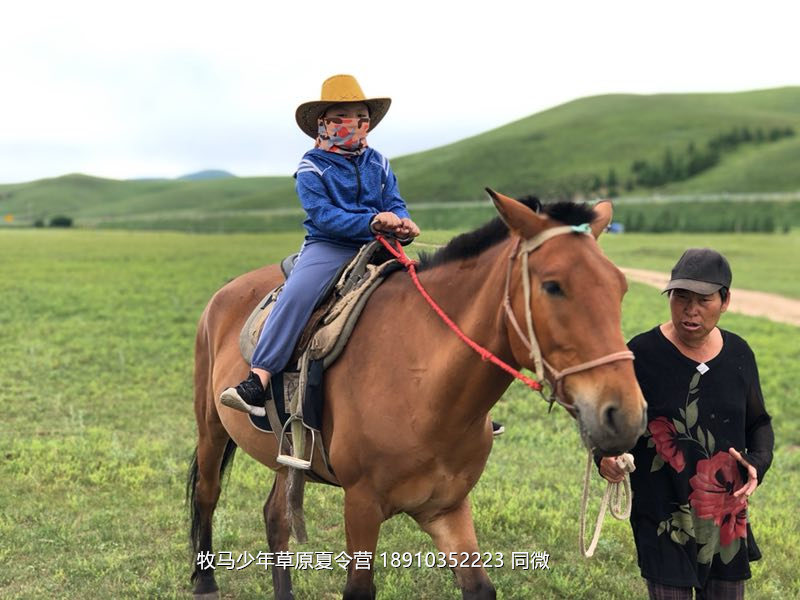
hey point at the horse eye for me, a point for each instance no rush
(552, 288)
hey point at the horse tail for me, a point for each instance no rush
(295, 492)
(191, 490)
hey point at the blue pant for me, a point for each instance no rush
(317, 264)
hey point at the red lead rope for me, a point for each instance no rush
(411, 266)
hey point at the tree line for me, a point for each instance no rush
(692, 161)
(671, 167)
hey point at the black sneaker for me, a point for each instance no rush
(497, 429)
(247, 397)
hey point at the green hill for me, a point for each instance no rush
(552, 152)
(94, 201)
(564, 151)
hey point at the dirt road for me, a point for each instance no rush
(756, 304)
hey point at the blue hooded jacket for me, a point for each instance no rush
(341, 195)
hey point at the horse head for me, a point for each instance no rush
(564, 308)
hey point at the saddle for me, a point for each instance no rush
(295, 396)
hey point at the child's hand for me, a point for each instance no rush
(407, 229)
(385, 222)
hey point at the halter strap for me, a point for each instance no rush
(533, 243)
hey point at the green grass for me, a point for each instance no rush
(95, 383)
(703, 215)
(760, 262)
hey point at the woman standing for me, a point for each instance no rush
(708, 443)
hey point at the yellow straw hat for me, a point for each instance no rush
(335, 90)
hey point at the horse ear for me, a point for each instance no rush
(603, 211)
(520, 219)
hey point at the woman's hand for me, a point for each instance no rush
(610, 469)
(752, 476)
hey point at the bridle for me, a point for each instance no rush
(522, 250)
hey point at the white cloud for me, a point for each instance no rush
(146, 88)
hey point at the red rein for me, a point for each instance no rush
(411, 266)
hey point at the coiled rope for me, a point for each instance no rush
(615, 495)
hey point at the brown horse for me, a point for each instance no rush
(406, 404)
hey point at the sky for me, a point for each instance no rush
(144, 89)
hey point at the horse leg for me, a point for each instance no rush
(277, 523)
(212, 456)
(362, 522)
(454, 532)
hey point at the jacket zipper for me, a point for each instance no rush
(358, 179)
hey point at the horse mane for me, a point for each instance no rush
(473, 243)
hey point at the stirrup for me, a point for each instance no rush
(296, 460)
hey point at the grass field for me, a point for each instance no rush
(95, 382)
(759, 262)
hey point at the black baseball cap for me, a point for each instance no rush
(700, 270)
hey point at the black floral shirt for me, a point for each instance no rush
(686, 523)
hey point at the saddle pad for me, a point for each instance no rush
(344, 290)
(248, 338)
(324, 337)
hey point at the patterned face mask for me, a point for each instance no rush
(343, 136)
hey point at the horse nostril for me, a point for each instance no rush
(609, 418)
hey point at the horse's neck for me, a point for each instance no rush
(471, 293)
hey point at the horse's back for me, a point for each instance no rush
(218, 360)
(232, 304)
